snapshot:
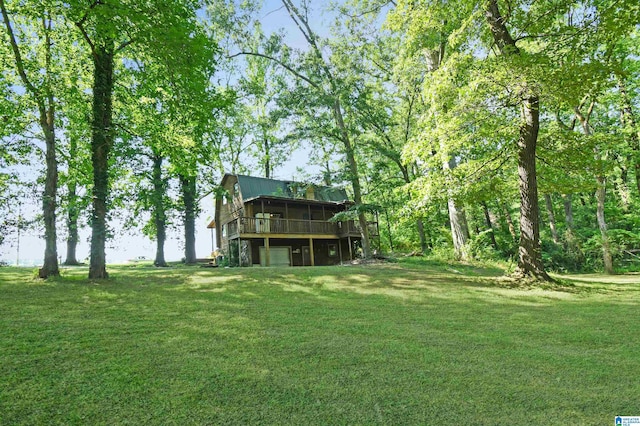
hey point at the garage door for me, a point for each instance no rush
(279, 256)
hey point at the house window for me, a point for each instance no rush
(236, 188)
(224, 231)
(333, 250)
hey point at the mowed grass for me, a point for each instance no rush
(407, 343)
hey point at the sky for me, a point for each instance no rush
(29, 250)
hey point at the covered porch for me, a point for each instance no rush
(268, 251)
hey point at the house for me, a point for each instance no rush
(272, 222)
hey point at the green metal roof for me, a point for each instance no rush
(254, 187)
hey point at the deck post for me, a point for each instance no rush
(350, 249)
(286, 216)
(340, 249)
(313, 262)
(267, 260)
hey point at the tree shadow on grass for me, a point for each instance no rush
(413, 283)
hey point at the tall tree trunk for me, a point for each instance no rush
(72, 207)
(457, 221)
(72, 224)
(354, 177)
(267, 157)
(487, 219)
(529, 252)
(386, 214)
(600, 192)
(552, 218)
(46, 109)
(159, 214)
(602, 225)
(50, 266)
(507, 217)
(422, 236)
(629, 122)
(326, 174)
(571, 242)
(568, 211)
(620, 185)
(459, 230)
(101, 143)
(188, 188)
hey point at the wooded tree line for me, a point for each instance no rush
(114, 89)
(475, 129)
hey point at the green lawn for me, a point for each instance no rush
(405, 343)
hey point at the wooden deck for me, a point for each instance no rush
(256, 227)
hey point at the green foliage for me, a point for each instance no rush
(569, 257)
(625, 247)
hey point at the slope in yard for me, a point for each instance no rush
(409, 343)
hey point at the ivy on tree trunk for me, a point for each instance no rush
(72, 225)
(159, 214)
(188, 188)
(101, 143)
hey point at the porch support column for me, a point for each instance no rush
(267, 259)
(350, 249)
(313, 262)
(340, 249)
(286, 217)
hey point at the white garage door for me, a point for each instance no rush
(279, 256)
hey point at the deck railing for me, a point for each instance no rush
(257, 225)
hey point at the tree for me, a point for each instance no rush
(387, 109)
(40, 86)
(258, 88)
(516, 61)
(74, 147)
(529, 252)
(167, 32)
(325, 91)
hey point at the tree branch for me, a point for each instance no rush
(17, 55)
(125, 45)
(282, 64)
(87, 39)
(501, 34)
(309, 35)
